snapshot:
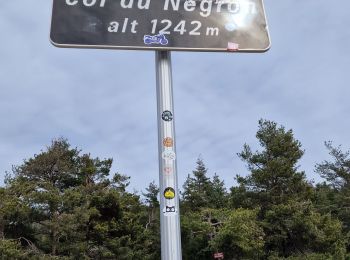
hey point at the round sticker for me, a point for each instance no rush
(168, 142)
(168, 170)
(168, 155)
(169, 193)
(167, 116)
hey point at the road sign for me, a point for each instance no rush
(219, 255)
(163, 25)
(189, 25)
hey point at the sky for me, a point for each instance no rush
(104, 101)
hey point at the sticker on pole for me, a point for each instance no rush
(168, 170)
(168, 142)
(169, 210)
(188, 25)
(169, 193)
(169, 207)
(167, 116)
(168, 155)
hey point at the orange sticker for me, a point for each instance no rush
(168, 142)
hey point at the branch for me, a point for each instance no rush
(30, 244)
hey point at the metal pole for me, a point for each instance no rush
(169, 194)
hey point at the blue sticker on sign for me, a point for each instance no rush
(155, 39)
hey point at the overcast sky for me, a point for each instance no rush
(104, 101)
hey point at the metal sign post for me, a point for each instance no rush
(168, 185)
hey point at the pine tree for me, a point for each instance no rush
(274, 171)
(334, 195)
(217, 193)
(196, 189)
(337, 173)
(153, 220)
(282, 195)
(152, 195)
(65, 204)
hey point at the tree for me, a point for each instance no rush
(153, 222)
(199, 191)
(62, 204)
(65, 204)
(196, 232)
(333, 196)
(217, 193)
(283, 197)
(239, 236)
(235, 233)
(151, 199)
(11, 249)
(337, 173)
(296, 228)
(274, 176)
(152, 195)
(51, 184)
(196, 189)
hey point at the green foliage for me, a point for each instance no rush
(274, 177)
(334, 196)
(11, 249)
(152, 232)
(62, 204)
(196, 231)
(297, 227)
(201, 192)
(196, 189)
(290, 222)
(311, 256)
(217, 193)
(152, 195)
(240, 235)
(235, 232)
(337, 173)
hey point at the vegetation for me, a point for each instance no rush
(64, 204)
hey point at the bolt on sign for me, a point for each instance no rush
(188, 25)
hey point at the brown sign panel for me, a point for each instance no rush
(190, 25)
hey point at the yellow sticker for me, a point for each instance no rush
(169, 193)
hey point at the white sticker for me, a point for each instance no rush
(168, 155)
(169, 211)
